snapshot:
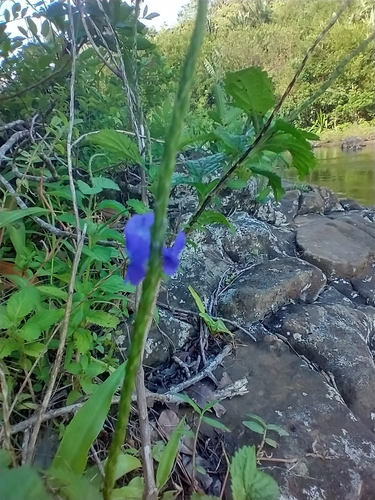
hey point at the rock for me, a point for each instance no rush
(330, 200)
(169, 335)
(334, 453)
(266, 287)
(350, 204)
(353, 144)
(365, 285)
(311, 203)
(341, 247)
(336, 338)
(288, 206)
(242, 200)
(346, 288)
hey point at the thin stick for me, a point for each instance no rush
(60, 350)
(71, 121)
(6, 424)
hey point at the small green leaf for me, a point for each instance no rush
(133, 491)
(52, 291)
(86, 189)
(189, 401)
(278, 429)
(169, 455)
(274, 180)
(257, 418)
(138, 206)
(34, 349)
(254, 426)
(113, 205)
(271, 442)
(211, 217)
(9, 216)
(116, 143)
(73, 396)
(7, 346)
(201, 470)
(82, 340)
(104, 183)
(204, 166)
(251, 89)
(215, 423)
(23, 31)
(22, 303)
(45, 28)
(197, 300)
(32, 26)
(102, 318)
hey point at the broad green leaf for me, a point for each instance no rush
(22, 303)
(53, 291)
(113, 205)
(253, 426)
(104, 183)
(211, 217)
(251, 89)
(9, 216)
(34, 349)
(22, 483)
(72, 486)
(138, 206)
(82, 340)
(215, 423)
(204, 166)
(102, 318)
(169, 455)
(126, 463)
(116, 143)
(133, 491)
(5, 321)
(243, 469)
(197, 300)
(264, 487)
(86, 189)
(233, 143)
(7, 346)
(30, 331)
(86, 425)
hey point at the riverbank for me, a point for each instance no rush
(335, 136)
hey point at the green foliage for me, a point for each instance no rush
(258, 425)
(248, 483)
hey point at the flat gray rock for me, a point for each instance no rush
(265, 287)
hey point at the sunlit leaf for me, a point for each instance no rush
(169, 455)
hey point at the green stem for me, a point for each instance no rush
(152, 280)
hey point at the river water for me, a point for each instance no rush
(349, 174)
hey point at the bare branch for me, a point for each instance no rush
(16, 123)
(17, 136)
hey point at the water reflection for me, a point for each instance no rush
(349, 174)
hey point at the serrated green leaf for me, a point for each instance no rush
(85, 426)
(5, 321)
(233, 143)
(30, 330)
(52, 291)
(243, 469)
(104, 183)
(102, 318)
(254, 426)
(33, 349)
(211, 217)
(138, 206)
(22, 303)
(251, 89)
(86, 189)
(116, 143)
(215, 423)
(169, 455)
(82, 340)
(264, 487)
(7, 346)
(9, 216)
(204, 166)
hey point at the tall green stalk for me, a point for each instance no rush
(152, 280)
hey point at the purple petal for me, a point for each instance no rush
(170, 255)
(138, 237)
(180, 242)
(135, 273)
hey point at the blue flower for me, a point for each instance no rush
(138, 243)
